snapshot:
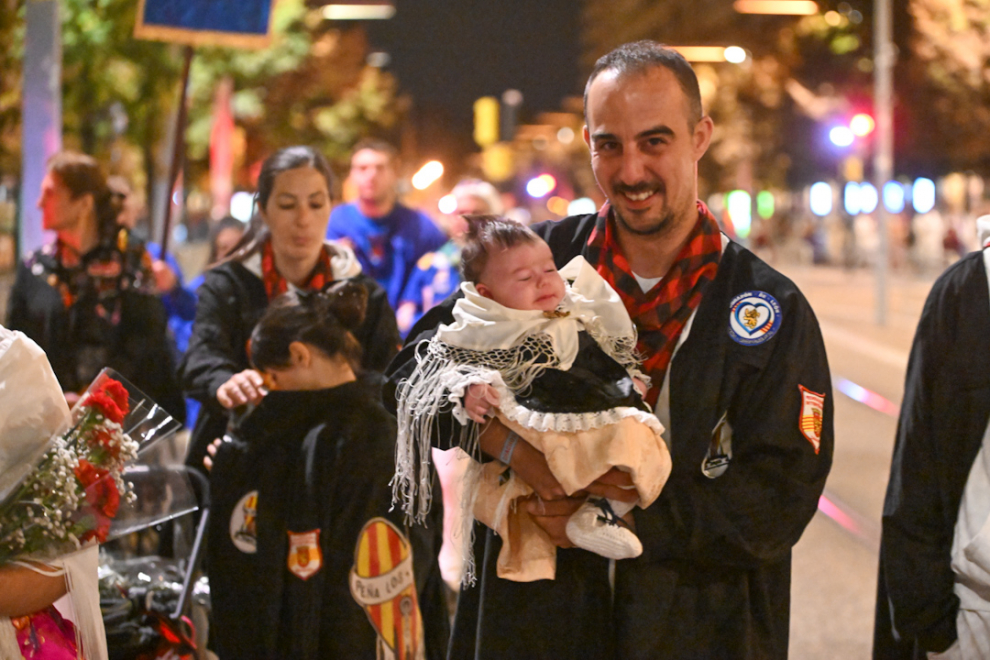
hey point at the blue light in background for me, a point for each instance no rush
(852, 198)
(923, 195)
(868, 197)
(893, 196)
(821, 199)
(841, 136)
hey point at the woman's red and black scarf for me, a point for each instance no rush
(661, 313)
(276, 285)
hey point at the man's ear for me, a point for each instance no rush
(586, 135)
(484, 290)
(702, 136)
(299, 354)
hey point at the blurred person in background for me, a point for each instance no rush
(387, 237)
(436, 274)
(89, 298)
(180, 301)
(224, 235)
(284, 250)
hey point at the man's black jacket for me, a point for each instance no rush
(714, 577)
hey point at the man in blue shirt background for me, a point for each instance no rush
(387, 237)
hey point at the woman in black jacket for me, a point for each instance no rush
(285, 250)
(306, 559)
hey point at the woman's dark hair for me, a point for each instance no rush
(321, 319)
(485, 234)
(82, 175)
(283, 160)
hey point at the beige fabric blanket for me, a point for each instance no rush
(576, 460)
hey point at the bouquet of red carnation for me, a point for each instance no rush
(75, 490)
(81, 487)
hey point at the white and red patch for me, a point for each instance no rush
(305, 556)
(812, 416)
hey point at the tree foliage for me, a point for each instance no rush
(807, 74)
(311, 86)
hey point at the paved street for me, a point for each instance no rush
(835, 563)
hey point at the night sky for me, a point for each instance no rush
(448, 53)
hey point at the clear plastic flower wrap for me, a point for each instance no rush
(98, 477)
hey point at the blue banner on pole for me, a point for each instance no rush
(239, 23)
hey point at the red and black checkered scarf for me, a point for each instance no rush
(661, 313)
(276, 285)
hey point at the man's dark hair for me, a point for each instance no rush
(639, 57)
(375, 144)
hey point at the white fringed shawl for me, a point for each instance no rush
(508, 349)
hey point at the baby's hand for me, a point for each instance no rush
(479, 401)
(640, 387)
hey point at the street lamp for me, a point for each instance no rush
(778, 7)
(731, 54)
(359, 11)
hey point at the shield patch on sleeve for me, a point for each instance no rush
(383, 584)
(812, 416)
(305, 556)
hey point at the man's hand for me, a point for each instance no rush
(528, 463)
(165, 278)
(479, 401)
(245, 387)
(614, 485)
(553, 515)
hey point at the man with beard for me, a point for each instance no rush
(387, 237)
(740, 381)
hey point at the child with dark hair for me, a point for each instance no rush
(552, 355)
(301, 536)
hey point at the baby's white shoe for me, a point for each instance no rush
(596, 528)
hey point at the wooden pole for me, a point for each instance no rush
(178, 149)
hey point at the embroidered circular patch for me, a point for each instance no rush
(244, 523)
(754, 317)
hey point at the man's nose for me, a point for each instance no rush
(633, 169)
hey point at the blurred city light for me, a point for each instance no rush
(541, 186)
(923, 195)
(711, 53)
(893, 196)
(833, 18)
(427, 174)
(841, 136)
(851, 199)
(565, 135)
(447, 204)
(765, 204)
(868, 197)
(581, 205)
(862, 124)
(368, 11)
(735, 55)
(241, 205)
(739, 206)
(821, 199)
(558, 205)
(779, 7)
